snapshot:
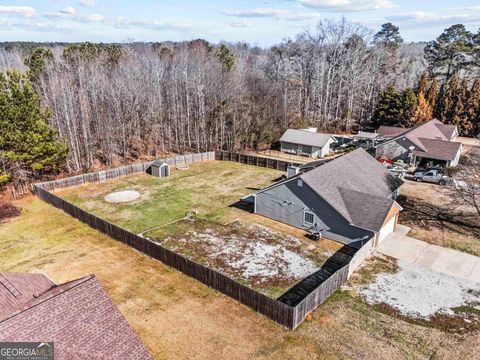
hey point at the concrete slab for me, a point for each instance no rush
(475, 274)
(444, 260)
(402, 247)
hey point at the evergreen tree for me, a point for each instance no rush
(472, 108)
(447, 98)
(37, 62)
(457, 115)
(422, 112)
(389, 108)
(432, 95)
(422, 87)
(450, 52)
(409, 103)
(28, 146)
(226, 58)
(388, 36)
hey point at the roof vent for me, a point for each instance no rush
(300, 182)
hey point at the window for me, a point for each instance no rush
(309, 217)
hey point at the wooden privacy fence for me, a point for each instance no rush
(255, 160)
(286, 315)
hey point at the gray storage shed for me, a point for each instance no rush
(160, 169)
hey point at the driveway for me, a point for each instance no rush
(438, 258)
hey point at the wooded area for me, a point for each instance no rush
(113, 103)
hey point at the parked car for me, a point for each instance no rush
(396, 170)
(431, 176)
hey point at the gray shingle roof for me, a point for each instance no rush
(304, 137)
(159, 163)
(438, 149)
(357, 186)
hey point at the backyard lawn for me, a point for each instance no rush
(178, 317)
(208, 189)
(193, 213)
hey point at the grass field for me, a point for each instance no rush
(178, 318)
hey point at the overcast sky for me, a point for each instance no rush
(258, 22)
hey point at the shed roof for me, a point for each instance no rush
(357, 186)
(305, 137)
(159, 163)
(78, 316)
(367, 135)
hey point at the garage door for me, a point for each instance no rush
(387, 229)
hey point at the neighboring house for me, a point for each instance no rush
(306, 142)
(431, 142)
(78, 316)
(350, 199)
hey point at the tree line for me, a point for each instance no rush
(449, 89)
(113, 103)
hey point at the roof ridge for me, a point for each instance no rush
(9, 286)
(38, 301)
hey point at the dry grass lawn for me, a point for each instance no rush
(178, 318)
(431, 200)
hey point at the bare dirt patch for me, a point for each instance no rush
(122, 196)
(427, 296)
(269, 261)
(8, 211)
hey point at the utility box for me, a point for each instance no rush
(292, 171)
(160, 169)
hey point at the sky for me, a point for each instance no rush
(261, 23)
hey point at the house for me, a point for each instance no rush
(77, 316)
(432, 142)
(306, 142)
(160, 168)
(349, 199)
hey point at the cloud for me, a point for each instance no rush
(24, 11)
(270, 13)
(69, 11)
(347, 5)
(87, 3)
(92, 18)
(122, 22)
(239, 24)
(461, 15)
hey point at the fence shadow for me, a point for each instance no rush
(334, 263)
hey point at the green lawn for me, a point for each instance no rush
(208, 189)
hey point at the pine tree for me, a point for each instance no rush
(226, 58)
(388, 36)
(28, 146)
(457, 114)
(447, 99)
(432, 95)
(422, 112)
(472, 108)
(409, 103)
(37, 62)
(389, 108)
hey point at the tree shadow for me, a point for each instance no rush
(432, 216)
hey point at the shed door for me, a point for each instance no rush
(164, 170)
(387, 229)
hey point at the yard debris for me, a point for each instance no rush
(417, 292)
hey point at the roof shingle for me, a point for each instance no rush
(305, 137)
(78, 317)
